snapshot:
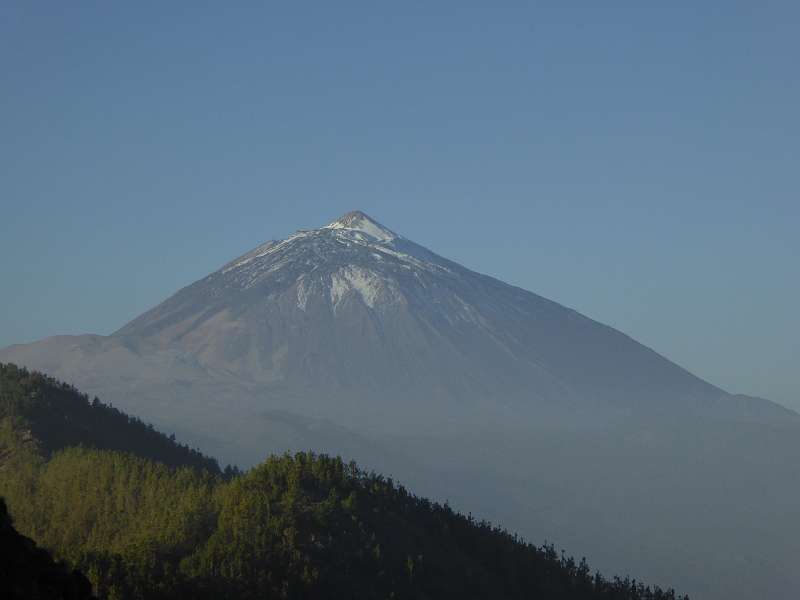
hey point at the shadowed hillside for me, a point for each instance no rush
(55, 416)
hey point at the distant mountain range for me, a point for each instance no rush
(353, 339)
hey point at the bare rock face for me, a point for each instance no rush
(352, 339)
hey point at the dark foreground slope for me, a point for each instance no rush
(30, 573)
(302, 526)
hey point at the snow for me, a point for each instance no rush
(411, 260)
(359, 222)
(366, 283)
(339, 287)
(265, 250)
(353, 255)
(302, 294)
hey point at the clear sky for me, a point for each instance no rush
(636, 161)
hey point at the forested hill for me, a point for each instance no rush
(54, 415)
(295, 527)
(302, 527)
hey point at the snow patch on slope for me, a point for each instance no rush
(264, 250)
(366, 283)
(302, 294)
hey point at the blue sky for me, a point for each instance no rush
(636, 161)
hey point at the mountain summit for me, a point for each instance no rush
(362, 223)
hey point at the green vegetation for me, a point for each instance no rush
(301, 526)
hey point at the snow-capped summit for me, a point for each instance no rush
(354, 248)
(356, 314)
(361, 222)
(371, 322)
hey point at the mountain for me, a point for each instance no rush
(295, 527)
(355, 324)
(354, 318)
(353, 340)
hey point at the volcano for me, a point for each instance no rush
(354, 340)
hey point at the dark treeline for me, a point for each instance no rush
(58, 416)
(295, 527)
